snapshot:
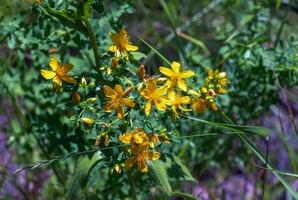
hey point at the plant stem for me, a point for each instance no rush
(133, 191)
(94, 47)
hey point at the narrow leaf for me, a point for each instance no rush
(155, 51)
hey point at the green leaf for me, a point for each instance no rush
(80, 178)
(184, 169)
(158, 173)
(252, 146)
(155, 51)
(84, 8)
(98, 6)
(197, 42)
(184, 195)
(67, 19)
(138, 55)
(258, 130)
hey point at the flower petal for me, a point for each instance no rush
(47, 74)
(142, 166)
(130, 47)
(109, 92)
(69, 79)
(153, 155)
(118, 89)
(57, 80)
(64, 69)
(176, 67)
(186, 74)
(182, 85)
(128, 102)
(184, 100)
(113, 48)
(120, 112)
(125, 138)
(148, 107)
(129, 162)
(160, 105)
(54, 64)
(166, 71)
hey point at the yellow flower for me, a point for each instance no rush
(121, 43)
(141, 155)
(218, 80)
(176, 102)
(58, 73)
(176, 77)
(38, 1)
(199, 105)
(155, 96)
(116, 100)
(153, 139)
(136, 136)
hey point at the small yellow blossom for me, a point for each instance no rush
(176, 102)
(38, 1)
(153, 139)
(136, 136)
(155, 96)
(121, 43)
(140, 155)
(58, 73)
(218, 80)
(176, 77)
(199, 105)
(116, 100)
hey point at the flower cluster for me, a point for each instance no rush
(142, 148)
(174, 90)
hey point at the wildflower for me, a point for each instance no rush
(176, 77)
(136, 136)
(199, 105)
(58, 73)
(176, 102)
(140, 156)
(155, 96)
(218, 80)
(153, 139)
(121, 43)
(116, 100)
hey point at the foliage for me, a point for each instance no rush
(122, 117)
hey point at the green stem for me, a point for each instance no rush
(94, 46)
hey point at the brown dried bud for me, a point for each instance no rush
(128, 91)
(76, 98)
(141, 72)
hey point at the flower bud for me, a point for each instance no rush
(83, 82)
(92, 84)
(91, 100)
(141, 72)
(128, 91)
(76, 98)
(88, 121)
